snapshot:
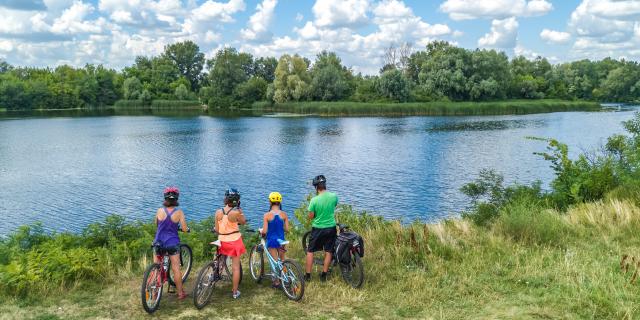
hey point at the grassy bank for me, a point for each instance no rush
(158, 104)
(528, 264)
(436, 108)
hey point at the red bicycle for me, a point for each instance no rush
(157, 274)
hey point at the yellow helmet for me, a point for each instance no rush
(275, 197)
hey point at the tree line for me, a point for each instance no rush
(440, 72)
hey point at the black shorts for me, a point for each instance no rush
(322, 239)
(170, 251)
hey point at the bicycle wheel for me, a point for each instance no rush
(151, 290)
(256, 263)
(305, 241)
(228, 270)
(186, 259)
(292, 280)
(205, 283)
(353, 273)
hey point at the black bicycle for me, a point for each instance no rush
(219, 269)
(352, 271)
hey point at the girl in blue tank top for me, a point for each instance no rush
(276, 222)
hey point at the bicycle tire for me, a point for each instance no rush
(185, 259)
(144, 293)
(305, 241)
(294, 274)
(355, 267)
(228, 270)
(207, 281)
(258, 274)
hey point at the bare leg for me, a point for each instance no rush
(177, 275)
(309, 263)
(327, 261)
(274, 253)
(235, 265)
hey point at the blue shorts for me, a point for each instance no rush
(273, 244)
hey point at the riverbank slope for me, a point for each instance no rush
(527, 264)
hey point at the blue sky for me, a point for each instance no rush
(113, 32)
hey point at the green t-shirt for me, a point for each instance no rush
(324, 206)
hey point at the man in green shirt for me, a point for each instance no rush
(323, 232)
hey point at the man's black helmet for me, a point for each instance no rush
(232, 197)
(319, 180)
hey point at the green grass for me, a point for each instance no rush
(158, 104)
(436, 108)
(528, 264)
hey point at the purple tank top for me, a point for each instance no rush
(167, 233)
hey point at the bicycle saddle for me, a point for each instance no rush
(343, 226)
(283, 242)
(216, 243)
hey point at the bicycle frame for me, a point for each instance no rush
(276, 265)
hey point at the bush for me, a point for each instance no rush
(531, 223)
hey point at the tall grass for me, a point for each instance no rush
(529, 263)
(157, 104)
(435, 108)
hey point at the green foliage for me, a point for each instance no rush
(331, 80)
(132, 88)
(251, 90)
(439, 73)
(188, 59)
(182, 93)
(292, 79)
(611, 173)
(394, 86)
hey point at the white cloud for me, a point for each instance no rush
(6, 45)
(557, 37)
(258, 25)
(503, 34)
(299, 17)
(340, 13)
(395, 24)
(605, 28)
(494, 9)
(72, 20)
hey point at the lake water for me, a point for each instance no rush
(70, 171)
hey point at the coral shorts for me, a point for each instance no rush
(232, 248)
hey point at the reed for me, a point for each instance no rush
(434, 108)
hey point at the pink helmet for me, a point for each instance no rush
(171, 193)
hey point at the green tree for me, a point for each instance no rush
(265, 68)
(132, 88)
(188, 59)
(182, 93)
(330, 79)
(251, 91)
(394, 85)
(291, 79)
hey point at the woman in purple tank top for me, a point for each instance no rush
(167, 219)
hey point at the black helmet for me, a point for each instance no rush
(319, 180)
(232, 197)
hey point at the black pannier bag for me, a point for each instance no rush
(344, 242)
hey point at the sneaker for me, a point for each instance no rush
(182, 295)
(236, 294)
(323, 277)
(307, 277)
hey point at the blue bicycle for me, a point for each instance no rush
(288, 272)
